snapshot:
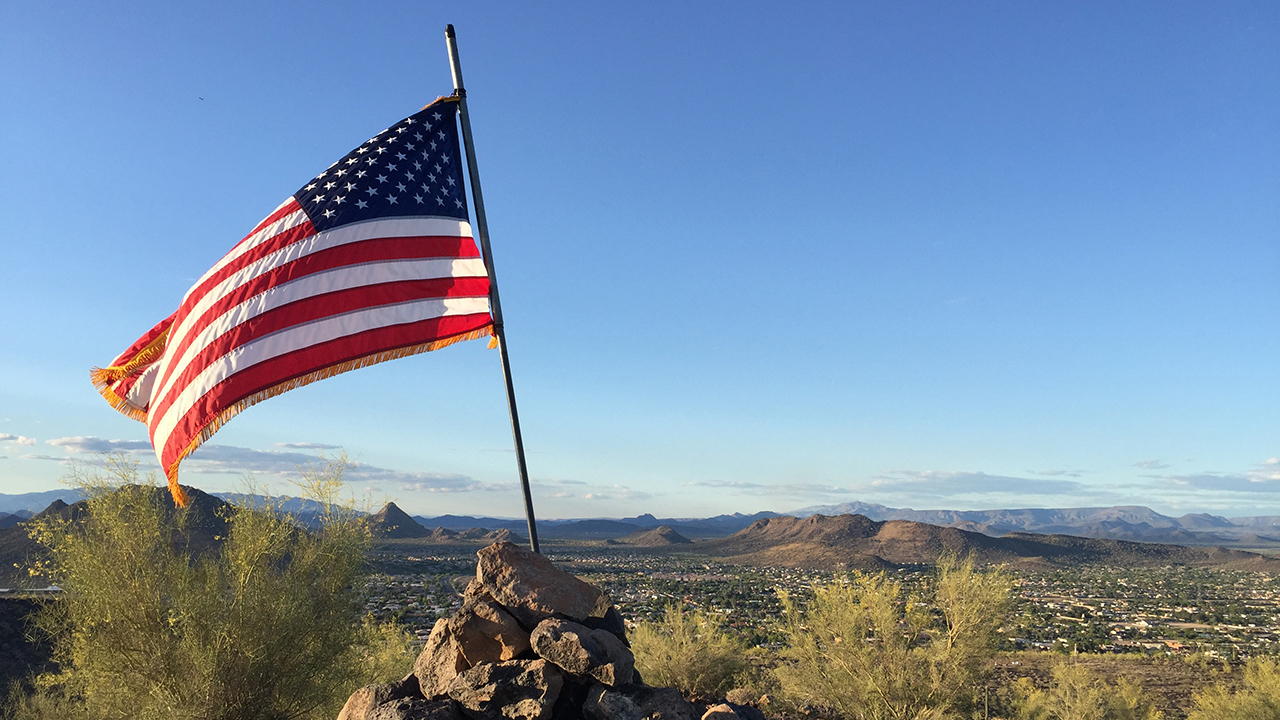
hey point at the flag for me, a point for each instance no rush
(371, 260)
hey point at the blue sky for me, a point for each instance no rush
(752, 256)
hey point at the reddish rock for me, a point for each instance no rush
(364, 701)
(440, 661)
(532, 589)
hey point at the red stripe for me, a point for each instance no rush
(315, 308)
(365, 251)
(289, 207)
(270, 373)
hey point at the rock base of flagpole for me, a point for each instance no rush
(531, 642)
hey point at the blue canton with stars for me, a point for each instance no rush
(411, 169)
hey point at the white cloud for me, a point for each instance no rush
(17, 439)
(45, 457)
(308, 446)
(88, 444)
(1151, 465)
(945, 483)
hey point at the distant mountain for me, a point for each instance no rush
(857, 542)
(1124, 522)
(34, 502)
(661, 536)
(392, 522)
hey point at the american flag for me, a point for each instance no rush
(371, 260)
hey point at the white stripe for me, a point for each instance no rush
(339, 278)
(288, 222)
(140, 393)
(296, 338)
(356, 232)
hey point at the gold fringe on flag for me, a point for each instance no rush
(171, 472)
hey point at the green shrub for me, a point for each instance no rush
(1074, 693)
(263, 623)
(691, 652)
(1258, 697)
(863, 650)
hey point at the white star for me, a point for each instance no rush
(391, 167)
(309, 187)
(408, 176)
(408, 121)
(425, 189)
(433, 144)
(381, 150)
(391, 199)
(457, 202)
(371, 190)
(382, 178)
(440, 134)
(424, 154)
(328, 213)
(318, 198)
(436, 116)
(417, 165)
(351, 186)
(351, 161)
(400, 130)
(438, 168)
(401, 156)
(338, 200)
(417, 136)
(361, 174)
(440, 200)
(400, 187)
(363, 150)
(362, 204)
(372, 160)
(340, 173)
(452, 181)
(431, 177)
(321, 174)
(444, 158)
(393, 138)
(329, 185)
(418, 198)
(409, 146)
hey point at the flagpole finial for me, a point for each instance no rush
(448, 31)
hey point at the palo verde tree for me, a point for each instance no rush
(157, 619)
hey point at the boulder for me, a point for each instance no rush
(440, 661)
(487, 633)
(365, 700)
(720, 712)
(532, 589)
(510, 690)
(611, 621)
(416, 708)
(637, 703)
(581, 651)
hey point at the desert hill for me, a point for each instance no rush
(857, 542)
(392, 522)
(205, 524)
(661, 536)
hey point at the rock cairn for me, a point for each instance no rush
(531, 642)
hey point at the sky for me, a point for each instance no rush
(752, 256)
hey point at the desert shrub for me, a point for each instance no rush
(1258, 696)
(263, 622)
(689, 651)
(1074, 693)
(864, 650)
(385, 650)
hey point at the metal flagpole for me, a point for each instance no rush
(482, 229)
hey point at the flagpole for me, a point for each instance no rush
(482, 229)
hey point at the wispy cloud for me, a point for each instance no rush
(1058, 473)
(781, 490)
(34, 456)
(82, 444)
(1151, 465)
(945, 483)
(307, 446)
(17, 439)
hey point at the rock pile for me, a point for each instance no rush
(531, 642)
